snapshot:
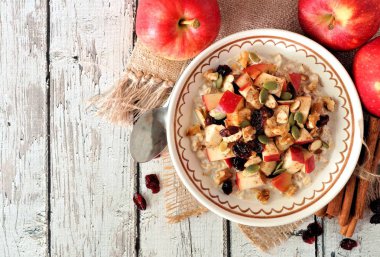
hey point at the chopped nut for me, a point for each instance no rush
(193, 130)
(291, 191)
(248, 133)
(263, 196)
(316, 145)
(211, 75)
(312, 120)
(253, 98)
(253, 160)
(315, 132)
(329, 103)
(272, 129)
(294, 106)
(312, 86)
(243, 60)
(284, 142)
(227, 83)
(200, 116)
(271, 102)
(221, 176)
(233, 138)
(245, 114)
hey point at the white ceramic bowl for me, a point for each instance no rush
(327, 181)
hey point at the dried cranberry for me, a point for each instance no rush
(348, 244)
(238, 163)
(227, 187)
(152, 182)
(375, 206)
(223, 70)
(139, 201)
(266, 113)
(229, 131)
(375, 219)
(257, 121)
(242, 150)
(323, 120)
(256, 146)
(307, 237)
(315, 229)
(210, 120)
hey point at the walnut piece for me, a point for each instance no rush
(193, 130)
(329, 103)
(210, 75)
(221, 176)
(248, 133)
(263, 196)
(291, 190)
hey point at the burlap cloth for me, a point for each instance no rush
(148, 82)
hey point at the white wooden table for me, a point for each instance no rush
(66, 178)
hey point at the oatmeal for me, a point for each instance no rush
(261, 125)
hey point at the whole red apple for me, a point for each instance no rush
(177, 29)
(367, 75)
(340, 24)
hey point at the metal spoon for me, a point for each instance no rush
(148, 137)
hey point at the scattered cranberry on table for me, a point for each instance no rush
(312, 232)
(139, 201)
(348, 244)
(152, 182)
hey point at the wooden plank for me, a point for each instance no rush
(240, 246)
(93, 177)
(196, 236)
(23, 128)
(366, 234)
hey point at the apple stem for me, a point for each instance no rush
(192, 23)
(332, 22)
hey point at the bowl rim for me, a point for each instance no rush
(351, 159)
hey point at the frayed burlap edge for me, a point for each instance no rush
(268, 238)
(147, 84)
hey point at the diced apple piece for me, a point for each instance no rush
(265, 77)
(244, 80)
(215, 154)
(234, 119)
(304, 106)
(271, 153)
(252, 72)
(231, 102)
(282, 182)
(267, 167)
(264, 67)
(212, 136)
(304, 138)
(293, 160)
(228, 162)
(295, 78)
(211, 101)
(309, 162)
(284, 142)
(254, 181)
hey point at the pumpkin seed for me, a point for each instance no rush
(254, 58)
(271, 85)
(277, 172)
(325, 145)
(279, 165)
(245, 123)
(219, 82)
(298, 117)
(291, 119)
(286, 96)
(263, 97)
(294, 106)
(296, 132)
(263, 139)
(253, 168)
(218, 115)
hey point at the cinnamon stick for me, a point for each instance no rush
(322, 212)
(347, 201)
(373, 133)
(343, 230)
(351, 227)
(334, 207)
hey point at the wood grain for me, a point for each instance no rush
(197, 236)
(23, 128)
(93, 177)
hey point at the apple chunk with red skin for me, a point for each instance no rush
(247, 182)
(271, 153)
(309, 162)
(244, 80)
(340, 24)
(215, 154)
(293, 160)
(304, 138)
(211, 101)
(367, 75)
(230, 102)
(282, 182)
(295, 78)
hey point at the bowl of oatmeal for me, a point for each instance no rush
(264, 127)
